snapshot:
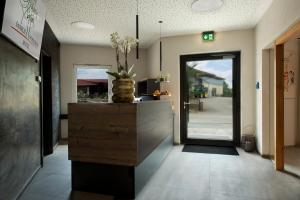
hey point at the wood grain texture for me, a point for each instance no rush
(121, 134)
(279, 134)
(103, 133)
(291, 33)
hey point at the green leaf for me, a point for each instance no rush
(114, 74)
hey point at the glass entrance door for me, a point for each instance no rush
(209, 101)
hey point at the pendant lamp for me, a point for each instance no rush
(137, 28)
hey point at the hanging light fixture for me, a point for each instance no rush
(160, 46)
(162, 77)
(137, 28)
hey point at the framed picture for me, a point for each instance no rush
(23, 23)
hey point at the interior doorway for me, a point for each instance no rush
(282, 82)
(291, 105)
(46, 104)
(210, 99)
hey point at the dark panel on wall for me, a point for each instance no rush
(46, 99)
(51, 47)
(2, 4)
(20, 135)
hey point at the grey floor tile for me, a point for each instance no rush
(254, 188)
(183, 176)
(52, 185)
(218, 196)
(172, 193)
(31, 196)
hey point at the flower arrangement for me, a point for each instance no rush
(124, 46)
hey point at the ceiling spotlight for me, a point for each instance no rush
(206, 5)
(83, 25)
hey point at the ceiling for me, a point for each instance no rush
(119, 15)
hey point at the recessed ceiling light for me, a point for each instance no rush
(83, 25)
(206, 5)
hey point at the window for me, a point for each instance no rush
(91, 84)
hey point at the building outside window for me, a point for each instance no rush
(91, 83)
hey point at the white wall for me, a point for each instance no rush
(279, 17)
(173, 47)
(71, 55)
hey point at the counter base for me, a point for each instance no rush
(122, 182)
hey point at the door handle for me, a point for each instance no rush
(185, 103)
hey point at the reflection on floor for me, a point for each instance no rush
(292, 160)
(214, 122)
(183, 176)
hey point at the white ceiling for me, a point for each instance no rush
(119, 15)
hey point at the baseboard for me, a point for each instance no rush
(63, 141)
(55, 146)
(291, 174)
(265, 156)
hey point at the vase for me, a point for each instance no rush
(123, 90)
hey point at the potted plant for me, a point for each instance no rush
(123, 84)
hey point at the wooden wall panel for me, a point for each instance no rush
(279, 134)
(291, 33)
(103, 133)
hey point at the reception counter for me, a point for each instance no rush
(116, 148)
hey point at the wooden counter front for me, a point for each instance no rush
(116, 148)
(117, 134)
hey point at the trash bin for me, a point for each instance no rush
(248, 142)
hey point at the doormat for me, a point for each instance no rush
(210, 149)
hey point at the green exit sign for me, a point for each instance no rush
(208, 36)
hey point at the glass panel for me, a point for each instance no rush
(209, 108)
(92, 85)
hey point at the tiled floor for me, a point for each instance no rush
(184, 176)
(53, 181)
(292, 160)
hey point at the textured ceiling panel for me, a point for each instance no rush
(119, 15)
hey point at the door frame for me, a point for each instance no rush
(292, 32)
(235, 95)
